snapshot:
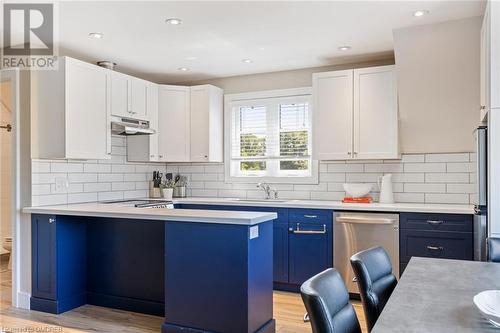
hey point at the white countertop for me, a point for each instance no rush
(157, 214)
(336, 205)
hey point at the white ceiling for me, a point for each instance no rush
(215, 36)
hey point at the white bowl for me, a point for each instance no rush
(488, 302)
(357, 190)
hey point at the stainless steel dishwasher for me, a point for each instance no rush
(354, 232)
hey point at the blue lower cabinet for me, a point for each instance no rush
(447, 236)
(280, 252)
(302, 242)
(58, 263)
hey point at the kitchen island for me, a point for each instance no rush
(205, 271)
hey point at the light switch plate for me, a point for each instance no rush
(62, 185)
(254, 232)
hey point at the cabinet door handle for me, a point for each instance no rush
(311, 216)
(483, 107)
(435, 248)
(52, 220)
(308, 232)
(435, 222)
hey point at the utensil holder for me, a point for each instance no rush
(154, 192)
(180, 192)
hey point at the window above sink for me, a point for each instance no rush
(268, 137)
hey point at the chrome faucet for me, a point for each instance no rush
(268, 190)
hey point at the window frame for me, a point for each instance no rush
(263, 97)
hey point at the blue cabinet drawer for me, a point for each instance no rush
(434, 244)
(310, 216)
(437, 222)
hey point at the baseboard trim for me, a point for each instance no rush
(126, 303)
(23, 300)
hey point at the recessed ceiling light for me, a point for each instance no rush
(344, 48)
(421, 12)
(96, 35)
(183, 69)
(191, 58)
(247, 61)
(173, 21)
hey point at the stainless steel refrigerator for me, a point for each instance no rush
(481, 204)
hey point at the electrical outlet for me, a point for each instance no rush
(62, 185)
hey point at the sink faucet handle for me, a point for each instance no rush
(275, 193)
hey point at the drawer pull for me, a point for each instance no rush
(435, 248)
(435, 222)
(308, 232)
(311, 216)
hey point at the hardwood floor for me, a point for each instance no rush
(288, 312)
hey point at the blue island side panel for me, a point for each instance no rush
(212, 280)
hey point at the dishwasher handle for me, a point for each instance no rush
(364, 220)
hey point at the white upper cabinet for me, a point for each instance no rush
(355, 114)
(128, 96)
(119, 95)
(144, 148)
(71, 111)
(332, 115)
(375, 113)
(174, 123)
(138, 97)
(207, 132)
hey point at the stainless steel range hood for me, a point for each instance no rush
(128, 126)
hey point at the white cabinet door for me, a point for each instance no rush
(120, 95)
(87, 104)
(206, 124)
(375, 113)
(138, 97)
(174, 123)
(152, 115)
(332, 115)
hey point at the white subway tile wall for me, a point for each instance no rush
(417, 178)
(90, 181)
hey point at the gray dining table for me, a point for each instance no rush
(435, 296)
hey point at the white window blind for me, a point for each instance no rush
(270, 137)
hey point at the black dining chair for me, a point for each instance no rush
(494, 249)
(327, 303)
(373, 271)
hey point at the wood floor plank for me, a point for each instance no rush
(288, 312)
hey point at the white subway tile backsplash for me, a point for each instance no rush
(413, 158)
(123, 186)
(97, 187)
(424, 167)
(82, 197)
(447, 198)
(447, 177)
(425, 188)
(40, 189)
(461, 188)
(461, 167)
(82, 177)
(135, 194)
(104, 196)
(462, 157)
(386, 168)
(96, 168)
(345, 167)
(110, 177)
(418, 178)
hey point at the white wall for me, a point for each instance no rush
(5, 163)
(291, 79)
(438, 84)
